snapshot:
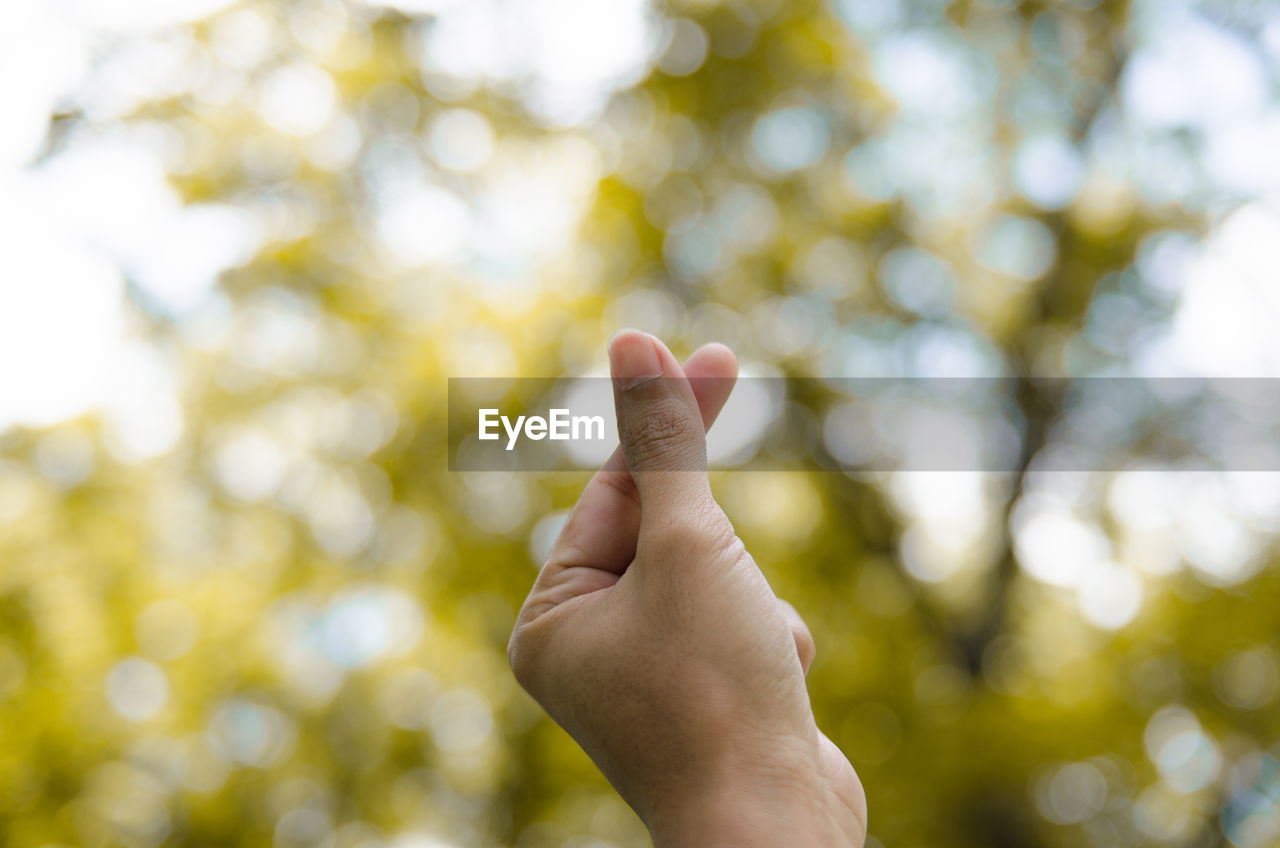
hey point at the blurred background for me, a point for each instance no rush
(243, 245)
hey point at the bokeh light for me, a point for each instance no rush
(242, 601)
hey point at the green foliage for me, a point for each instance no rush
(289, 628)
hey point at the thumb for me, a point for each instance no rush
(659, 425)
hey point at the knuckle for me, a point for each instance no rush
(662, 434)
(725, 537)
(684, 535)
(699, 532)
(522, 656)
(804, 641)
(623, 483)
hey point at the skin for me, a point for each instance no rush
(653, 638)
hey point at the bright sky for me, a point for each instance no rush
(70, 227)
(74, 226)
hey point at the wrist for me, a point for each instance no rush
(757, 808)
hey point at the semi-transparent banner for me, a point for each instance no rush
(869, 425)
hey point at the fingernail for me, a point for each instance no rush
(633, 357)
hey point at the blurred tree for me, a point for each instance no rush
(244, 603)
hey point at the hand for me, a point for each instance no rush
(653, 638)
